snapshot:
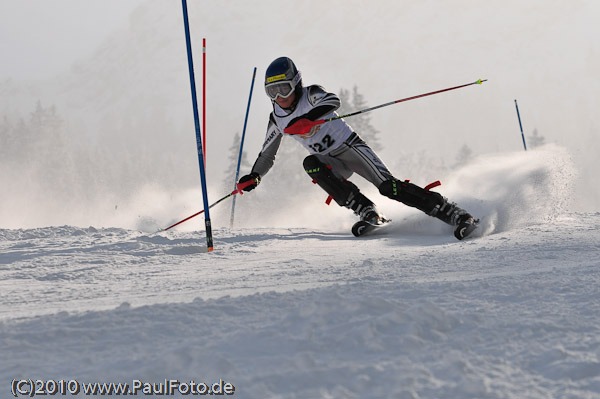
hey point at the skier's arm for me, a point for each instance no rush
(323, 104)
(266, 157)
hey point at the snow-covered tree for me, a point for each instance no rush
(361, 123)
(464, 156)
(6, 138)
(234, 153)
(535, 140)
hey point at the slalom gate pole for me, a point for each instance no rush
(238, 189)
(520, 125)
(304, 125)
(209, 237)
(204, 99)
(237, 172)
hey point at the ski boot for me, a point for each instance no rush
(370, 219)
(453, 215)
(466, 225)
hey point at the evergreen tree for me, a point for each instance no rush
(360, 123)
(50, 149)
(6, 138)
(36, 153)
(464, 156)
(346, 102)
(234, 153)
(535, 140)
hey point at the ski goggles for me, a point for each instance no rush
(282, 88)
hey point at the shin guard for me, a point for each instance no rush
(430, 202)
(343, 192)
(411, 195)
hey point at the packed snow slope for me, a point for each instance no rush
(305, 312)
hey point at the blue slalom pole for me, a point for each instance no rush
(237, 172)
(209, 238)
(521, 126)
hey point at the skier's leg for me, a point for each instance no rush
(412, 195)
(342, 191)
(358, 157)
(430, 202)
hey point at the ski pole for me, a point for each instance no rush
(304, 125)
(239, 189)
(237, 172)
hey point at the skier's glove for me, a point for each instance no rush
(251, 176)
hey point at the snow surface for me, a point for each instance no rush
(312, 312)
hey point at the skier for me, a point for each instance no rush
(336, 152)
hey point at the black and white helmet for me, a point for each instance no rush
(282, 78)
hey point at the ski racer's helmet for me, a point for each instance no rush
(282, 78)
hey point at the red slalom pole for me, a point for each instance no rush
(204, 99)
(304, 125)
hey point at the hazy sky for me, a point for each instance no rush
(40, 38)
(544, 53)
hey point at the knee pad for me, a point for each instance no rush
(312, 162)
(411, 195)
(342, 191)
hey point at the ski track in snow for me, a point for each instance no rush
(298, 313)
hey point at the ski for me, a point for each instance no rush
(363, 227)
(461, 232)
